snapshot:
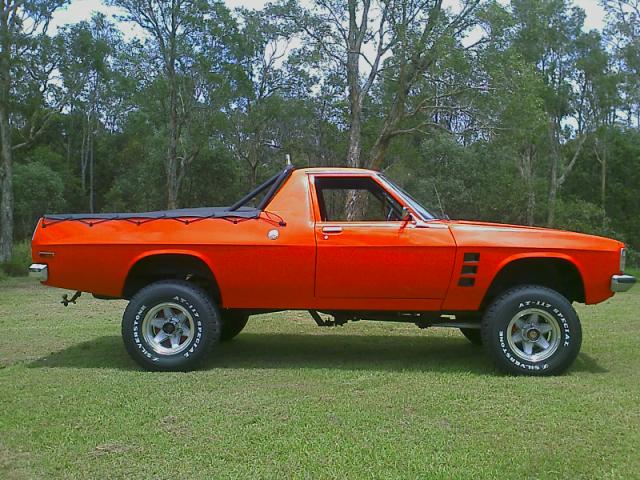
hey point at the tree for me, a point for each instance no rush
(25, 61)
(623, 33)
(177, 29)
(38, 188)
(87, 72)
(364, 39)
(547, 37)
(265, 85)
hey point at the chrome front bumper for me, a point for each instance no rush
(622, 283)
(39, 271)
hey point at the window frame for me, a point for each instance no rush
(316, 199)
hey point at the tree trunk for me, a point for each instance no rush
(6, 184)
(526, 171)
(392, 120)
(554, 175)
(558, 178)
(94, 122)
(355, 143)
(253, 166)
(553, 191)
(83, 156)
(69, 130)
(354, 203)
(603, 189)
(355, 92)
(378, 151)
(6, 170)
(354, 207)
(531, 202)
(91, 162)
(172, 149)
(602, 160)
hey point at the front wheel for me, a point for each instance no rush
(170, 326)
(532, 330)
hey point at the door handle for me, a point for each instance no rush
(332, 229)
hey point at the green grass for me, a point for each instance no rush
(287, 399)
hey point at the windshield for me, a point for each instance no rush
(415, 206)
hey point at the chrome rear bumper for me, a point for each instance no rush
(39, 271)
(622, 283)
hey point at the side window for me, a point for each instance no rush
(372, 202)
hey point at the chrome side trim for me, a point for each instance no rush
(430, 224)
(622, 283)
(39, 271)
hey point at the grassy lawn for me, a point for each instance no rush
(287, 399)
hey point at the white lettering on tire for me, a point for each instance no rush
(563, 323)
(137, 337)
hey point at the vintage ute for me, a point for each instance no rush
(194, 276)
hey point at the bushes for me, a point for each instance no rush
(18, 266)
(633, 258)
(38, 190)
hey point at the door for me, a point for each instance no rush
(376, 254)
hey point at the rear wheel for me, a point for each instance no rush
(232, 324)
(170, 326)
(532, 330)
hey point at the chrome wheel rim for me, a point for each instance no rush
(534, 334)
(168, 328)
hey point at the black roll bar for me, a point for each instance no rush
(274, 182)
(279, 181)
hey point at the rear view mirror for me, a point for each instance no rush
(406, 215)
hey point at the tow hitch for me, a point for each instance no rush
(66, 300)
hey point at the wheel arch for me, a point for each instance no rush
(159, 265)
(552, 270)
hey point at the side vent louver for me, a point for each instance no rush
(469, 269)
(471, 257)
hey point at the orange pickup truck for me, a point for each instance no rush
(194, 276)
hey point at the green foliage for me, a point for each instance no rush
(18, 266)
(484, 127)
(581, 216)
(38, 189)
(633, 260)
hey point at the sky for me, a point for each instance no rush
(79, 10)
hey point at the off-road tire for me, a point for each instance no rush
(186, 297)
(232, 324)
(551, 309)
(474, 335)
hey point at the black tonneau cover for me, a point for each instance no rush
(205, 212)
(236, 212)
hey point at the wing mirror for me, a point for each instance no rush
(407, 217)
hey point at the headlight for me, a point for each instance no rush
(623, 259)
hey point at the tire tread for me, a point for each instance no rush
(212, 311)
(495, 306)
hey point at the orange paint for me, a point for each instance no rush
(393, 265)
